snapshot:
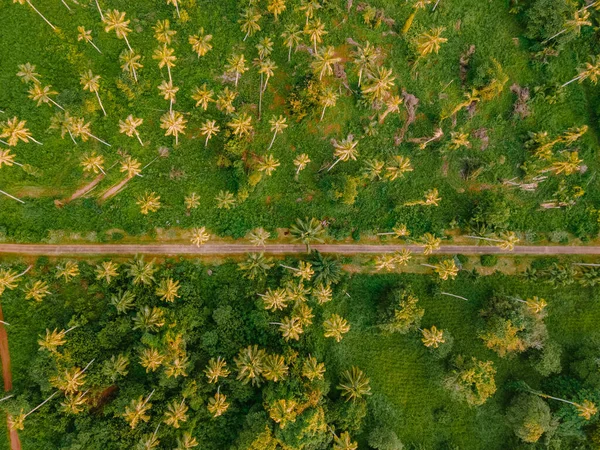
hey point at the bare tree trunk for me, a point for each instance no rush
(99, 10)
(41, 15)
(100, 102)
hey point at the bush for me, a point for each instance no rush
(488, 260)
(530, 417)
(384, 439)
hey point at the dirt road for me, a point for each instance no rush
(15, 443)
(216, 249)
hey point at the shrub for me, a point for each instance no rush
(488, 260)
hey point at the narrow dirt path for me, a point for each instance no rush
(15, 443)
(280, 249)
(80, 192)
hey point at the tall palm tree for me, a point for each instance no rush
(8, 159)
(301, 161)
(236, 64)
(107, 270)
(365, 58)
(67, 270)
(292, 37)
(392, 105)
(115, 20)
(430, 243)
(290, 327)
(241, 125)
(432, 198)
(345, 150)
(163, 32)
(208, 129)
(249, 21)
(264, 47)
(186, 442)
(591, 70)
(255, 266)
(259, 236)
(445, 269)
(278, 125)
(379, 84)
(166, 58)
(176, 413)
(216, 368)
(324, 60)
(129, 127)
(8, 278)
(168, 91)
(335, 327)
(93, 163)
(199, 236)
(432, 337)
(149, 319)
(312, 369)
(14, 130)
(430, 42)
(36, 290)
(27, 73)
(225, 100)
(137, 411)
(174, 123)
(142, 272)
(74, 404)
(309, 7)
(217, 405)
(315, 31)
(581, 18)
(192, 201)
(266, 68)
(131, 166)
(18, 422)
(586, 409)
(275, 369)
(200, 42)
(249, 363)
(283, 412)
(268, 165)
(307, 231)
(203, 96)
(276, 7)
(175, 3)
(123, 301)
(354, 384)
(28, 2)
(91, 82)
(168, 290)
(130, 62)
(86, 36)
(42, 95)
(149, 202)
(79, 128)
(344, 442)
(327, 99)
(151, 359)
(274, 300)
(398, 166)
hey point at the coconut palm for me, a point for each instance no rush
(398, 166)
(28, 2)
(115, 20)
(301, 161)
(130, 62)
(570, 164)
(217, 405)
(168, 91)
(430, 42)
(192, 201)
(186, 442)
(176, 413)
(8, 159)
(91, 82)
(168, 290)
(307, 231)
(149, 202)
(327, 99)
(129, 127)
(18, 422)
(268, 165)
(200, 42)
(151, 359)
(117, 366)
(74, 404)
(8, 278)
(149, 319)
(312, 369)
(166, 58)
(354, 384)
(249, 21)
(430, 243)
(199, 236)
(419, 4)
(335, 327)
(107, 270)
(344, 442)
(137, 411)
(278, 125)
(345, 150)
(123, 301)
(290, 327)
(241, 125)
(79, 128)
(163, 32)
(459, 140)
(432, 337)
(249, 363)
(225, 100)
(324, 60)
(274, 300)
(309, 7)
(174, 123)
(365, 58)
(432, 198)
(41, 95)
(275, 368)
(203, 96)
(392, 105)
(264, 47)
(581, 18)
(68, 271)
(506, 240)
(373, 169)
(141, 272)
(86, 36)
(276, 7)
(208, 129)
(255, 266)
(27, 73)
(292, 37)
(445, 269)
(14, 130)
(93, 163)
(266, 69)
(283, 412)
(259, 236)
(323, 293)
(586, 409)
(379, 84)
(315, 31)
(131, 166)
(71, 380)
(36, 290)
(216, 368)
(236, 64)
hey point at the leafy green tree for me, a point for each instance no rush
(383, 438)
(472, 380)
(404, 314)
(354, 384)
(530, 417)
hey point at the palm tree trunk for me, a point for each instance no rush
(272, 140)
(42, 404)
(100, 102)
(176, 138)
(133, 71)
(99, 10)
(429, 265)
(586, 264)
(260, 94)
(151, 162)
(37, 142)
(4, 142)
(574, 79)
(453, 295)
(288, 267)
(127, 42)
(41, 15)
(409, 22)
(177, 8)
(290, 54)
(556, 35)
(137, 135)
(484, 238)
(56, 104)
(323, 113)
(435, 6)
(333, 165)
(98, 139)
(65, 3)
(246, 37)
(237, 77)
(72, 138)
(94, 45)
(207, 138)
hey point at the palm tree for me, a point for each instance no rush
(241, 125)
(420, 4)
(199, 236)
(430, 242)
(149, 202)
(68, 271)
(86, 36)
(200, 42)
(268, 165)
(130, 62)
(432, 198)
(278, 124)
(365, 58)
(301, 161)
(345, 150)
(309, 7)
(216, 368)
(458, 140)
(79, 128)
(249, 363)
(42, 95)
(149, 319)
(335, 327)
(123, 301)
(265, 68)
(259, 237)
(379, 84)
(264, 47)
(137, 411)
(91, 82)
(37, 290)
(354, 384)
(129, 127)
(174, 123)
(535, 306)
(18, 422)
(323, 293)
(255, 266)
(399, 165)
(292, 37)
(115, 20)
(73, 404)
(176, 413)
(580, 19)
(131, 166)
(276, 7)
(27, 73)
(208, 129)
(28, 2)
(312, 369)
(344, 442)
(141, 272)
(307, 231)
(166, 58)
(432, 337)
(8, 278)
(373, 169)
(327, 99)
(324, 60)
(203, 96)
(290, 327)
(107, 270)
(506, 240)
(274, 300)
(392, 105)
(163, 32)
(225, 100)
(249, 21)
(117, 366)
(168, 290)
(445, 269)
(72, 380)
(151, 359)
(283, 412)
(168, 91)
(217, 405)
(430, 42)
(315, 31)
(275, 368)
(192, 201)
(586, 409)
(14, 130)
(186, 442)
(236, 64)
(8, 159)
